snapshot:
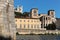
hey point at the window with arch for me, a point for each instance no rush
(35, 13)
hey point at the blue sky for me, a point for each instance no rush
(42, 5)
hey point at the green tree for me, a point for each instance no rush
(18, 14)
(51, 26)
(26, 14)
(5, 38)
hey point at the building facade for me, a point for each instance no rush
(7, 23)
(34, 23)
(26, 26)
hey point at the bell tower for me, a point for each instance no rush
(7, 22)
(34, 13)
(51, 13)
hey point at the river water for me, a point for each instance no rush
(38, 37)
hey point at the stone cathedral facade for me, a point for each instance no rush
(7, 25)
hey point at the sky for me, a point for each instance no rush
(42, 5)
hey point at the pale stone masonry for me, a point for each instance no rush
(7, 23)
(34, 23)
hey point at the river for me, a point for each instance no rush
(38, 37)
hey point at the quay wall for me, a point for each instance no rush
(25, 31)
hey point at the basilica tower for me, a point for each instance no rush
(7, 25)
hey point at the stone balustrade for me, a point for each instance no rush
(32, 31)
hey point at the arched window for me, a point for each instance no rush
(35, 13)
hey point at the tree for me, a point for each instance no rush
(18, 14)
(26, 14)
(51, 26)
(5, 38)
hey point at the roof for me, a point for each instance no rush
(35, 8)
(27, 18)
(51, 10)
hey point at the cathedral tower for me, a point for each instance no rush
(7, 23)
